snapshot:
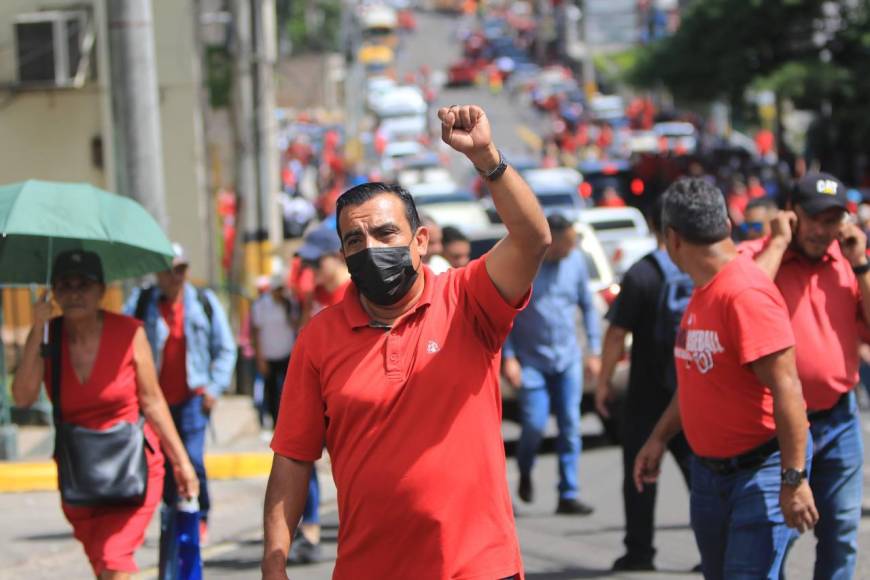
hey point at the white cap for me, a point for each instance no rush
(179, 256)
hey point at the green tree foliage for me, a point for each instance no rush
(814, 52)
(310, 25)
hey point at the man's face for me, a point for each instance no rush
(458, 253)
(328, 269)
(756, 223)
(171, 281)
(381, 223)
(816, 233)
(435, 246)
(563, 244)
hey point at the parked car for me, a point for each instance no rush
(603, 284)
(558, 190)
(623, 232)
(681, 137)
(395, 153)
(400, 101)
(457, 208)
(406, 128)
(463, 73)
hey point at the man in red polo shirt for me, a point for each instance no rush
(738, 398)
(401, 381)
(819, 263)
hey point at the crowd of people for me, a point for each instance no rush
(744, 360)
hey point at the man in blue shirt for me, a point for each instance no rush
(543, 359)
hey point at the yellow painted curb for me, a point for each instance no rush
(42, 475)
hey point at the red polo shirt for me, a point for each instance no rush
(737, 318)
(824, 304)
(411, 417)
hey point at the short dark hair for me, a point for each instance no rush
(362, 193)
(654, 213)
(695, 209)
(558, 223)
(763, 202)
(450, 234)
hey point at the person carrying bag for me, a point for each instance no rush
(113, 425)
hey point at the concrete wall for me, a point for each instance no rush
(47, 133)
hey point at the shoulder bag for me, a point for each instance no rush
(96, 467)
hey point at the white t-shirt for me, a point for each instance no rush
(438, 264)
(275, 334)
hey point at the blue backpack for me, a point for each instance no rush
(674, 296)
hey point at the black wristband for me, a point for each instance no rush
(862, 269)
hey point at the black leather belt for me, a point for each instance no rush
(749, 460)
(843, 401)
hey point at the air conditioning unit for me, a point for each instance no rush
(53, 48)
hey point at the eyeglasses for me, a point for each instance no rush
(753, 227)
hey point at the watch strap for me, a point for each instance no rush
(497, 172)
(862, 269)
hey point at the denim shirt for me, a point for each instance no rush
(211, 348)
(544, 335)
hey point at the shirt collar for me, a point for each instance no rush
(830, 255)
(356, 315)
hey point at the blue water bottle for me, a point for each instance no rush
(187, 538)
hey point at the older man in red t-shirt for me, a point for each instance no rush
(738, 397)
(401, 379)
(819, 263)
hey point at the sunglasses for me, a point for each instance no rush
(754, 227)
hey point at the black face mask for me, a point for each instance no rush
(383, 275)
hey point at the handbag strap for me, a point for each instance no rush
(55, 337)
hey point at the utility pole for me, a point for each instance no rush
(268, 162)
(206, 207)
(243, 129)
(135, 105)
(589, 83)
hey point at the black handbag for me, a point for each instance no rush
(96, 468)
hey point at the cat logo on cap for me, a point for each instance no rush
(826, 186)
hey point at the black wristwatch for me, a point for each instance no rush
(862, 269)
(793, 477)
(498, 171)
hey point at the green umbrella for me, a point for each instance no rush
(40, 219)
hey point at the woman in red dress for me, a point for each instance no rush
(107, 376)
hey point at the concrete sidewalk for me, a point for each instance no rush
(236, 448)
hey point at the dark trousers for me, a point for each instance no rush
(641, 415)
(273, 385)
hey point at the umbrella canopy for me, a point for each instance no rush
(40, 219)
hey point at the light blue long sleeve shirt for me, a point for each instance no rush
(544, 335)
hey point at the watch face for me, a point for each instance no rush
(792, 477)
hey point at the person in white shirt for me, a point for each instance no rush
(274, 320)
(434, 258)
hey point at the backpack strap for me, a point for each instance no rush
(145, 296)
(54, 348)
(205, 303)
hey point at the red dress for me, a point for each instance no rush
(110, 535)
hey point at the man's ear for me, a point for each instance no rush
(422, 239)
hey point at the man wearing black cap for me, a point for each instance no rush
(818, 259)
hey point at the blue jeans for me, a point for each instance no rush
(738, 524)
(837, 483)
(191, 423)
(311, 513)
(560, 393)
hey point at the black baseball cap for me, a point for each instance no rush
(817, 192)
(79, 263)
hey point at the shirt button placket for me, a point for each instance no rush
(392, 354)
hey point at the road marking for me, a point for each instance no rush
(530, 138)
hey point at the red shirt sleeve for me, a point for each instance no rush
(759, 324)
(492, 315)
(301, 426)
(752, 248)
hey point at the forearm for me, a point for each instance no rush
(864, 285)
(791, 423)
(286, 493)
(28, 375)
(515, 203)
(770, 258)
(612, 352)
(157, 414)
(670, 423)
